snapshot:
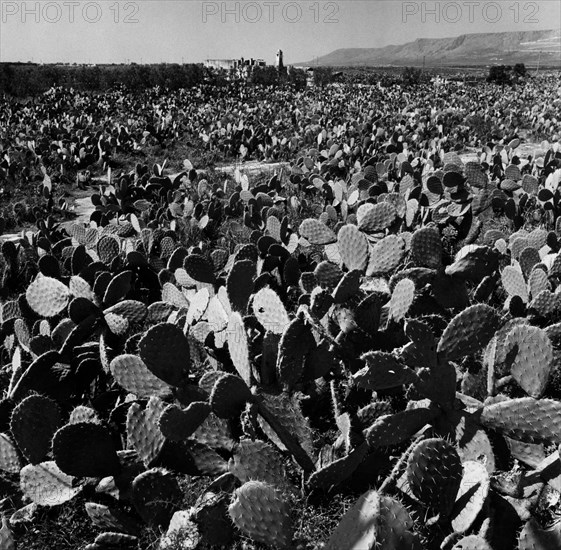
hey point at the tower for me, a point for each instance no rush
(279, 63)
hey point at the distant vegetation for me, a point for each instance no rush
(27, 79)
(506, 74)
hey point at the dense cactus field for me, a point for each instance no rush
(359, 351)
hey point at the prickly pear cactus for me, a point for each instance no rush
(261, 513)
(532, 358)
(156, 495)
(434, 474)
(375, 521)
(47, 296)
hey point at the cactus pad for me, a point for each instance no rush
(531, 353)
(46, 485)
(47, 296)
(261, 513)
(165, 352)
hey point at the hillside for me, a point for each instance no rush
(466, 49)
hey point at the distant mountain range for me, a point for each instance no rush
(467, 49)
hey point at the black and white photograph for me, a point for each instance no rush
(280, 274)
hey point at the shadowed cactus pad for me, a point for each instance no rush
(156, 495)
(394, 429)
(229, 395)
(434, 474)
(178, 424)
(85, 449)
(165, 352)
(33, 424)
(469, 332)
(426, 247)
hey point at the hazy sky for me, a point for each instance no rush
(152, 31)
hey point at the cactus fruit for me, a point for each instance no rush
(143, 429)
(434, 474)
(47, 296)
(469, 332)
(33, 424)
(46, 485)
(165, 352)
(316, 232)
(353, 247)
(156, 495)
(261, 513)
(375, 521)
(531, 353)
(85, 449)
(178, 424)
(131, 373)
(526, 419)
